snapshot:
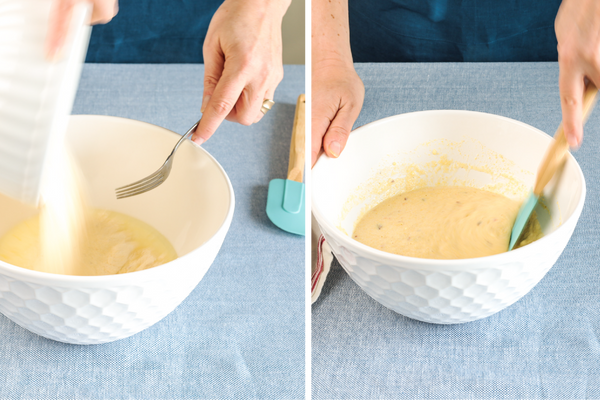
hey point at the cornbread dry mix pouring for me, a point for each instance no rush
(68, 237)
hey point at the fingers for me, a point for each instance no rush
(219, 104)
(336, 137)
(336, 132)
(242, 55)
(60, 18)
(58, 26)
(214, 62)
(320, 122)
(572, 86)
(262, 83)
(248, 105)
(233, 90)
(314, 147)
(103, 11)
(276, 78)
(270, 94)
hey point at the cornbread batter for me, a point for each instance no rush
(112, 243)
(443, 223)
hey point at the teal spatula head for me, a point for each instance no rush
(285, 205)
(286, 198)
(522, 218)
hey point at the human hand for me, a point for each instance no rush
(337, 97)
(577, 27)
(60, 17)
(242, 63)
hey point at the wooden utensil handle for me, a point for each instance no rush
(555, 155)
(296, 167)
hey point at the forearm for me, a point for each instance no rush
(330, 33)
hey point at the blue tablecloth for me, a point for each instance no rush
(544, 346)
(240, 333)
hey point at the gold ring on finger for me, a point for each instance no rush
(266, 105)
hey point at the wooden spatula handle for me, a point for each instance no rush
(555, 155)
(296, 167)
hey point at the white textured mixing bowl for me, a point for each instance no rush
(193, 209)
(443, 291)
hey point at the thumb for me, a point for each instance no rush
(571, 100)
(337, 134)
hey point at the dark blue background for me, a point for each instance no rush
(453, 30)
(173, 31)
(153, 31)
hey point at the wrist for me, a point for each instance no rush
(331, 58)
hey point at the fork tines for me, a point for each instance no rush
(141, 186)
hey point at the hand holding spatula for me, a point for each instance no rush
(554, 159)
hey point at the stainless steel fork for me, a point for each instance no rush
(156, 179)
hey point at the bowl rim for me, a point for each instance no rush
(430, 263)
(139, 276)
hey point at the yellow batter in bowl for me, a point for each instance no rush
(112, 243)
(443, 223)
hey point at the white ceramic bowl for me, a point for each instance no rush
(443, 291)
(193, 209)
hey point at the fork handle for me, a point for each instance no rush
(185, 136)
(296, 166)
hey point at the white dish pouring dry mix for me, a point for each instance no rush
(69, 305)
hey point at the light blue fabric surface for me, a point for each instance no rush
(544, 346)
(240, 333)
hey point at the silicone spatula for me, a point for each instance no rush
(286, 197)
(554, 159)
